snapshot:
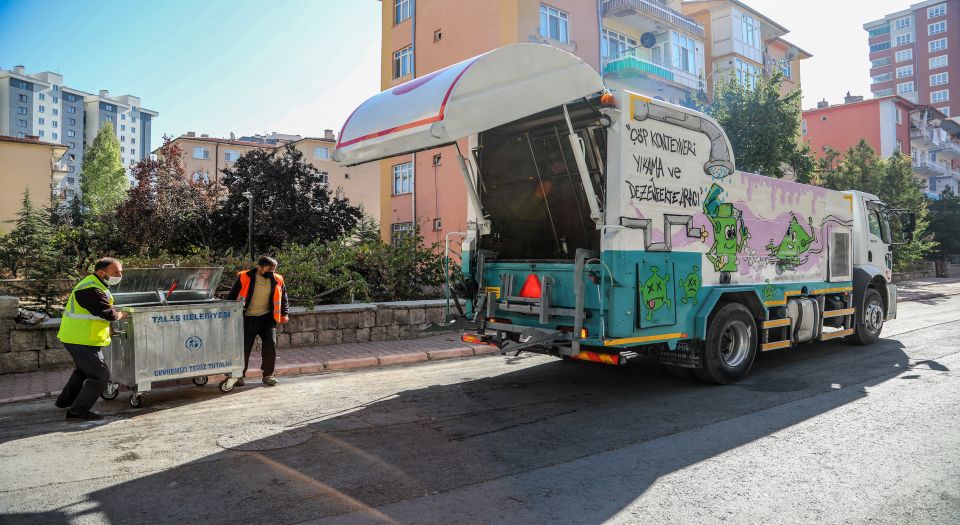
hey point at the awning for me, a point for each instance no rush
(475, 95)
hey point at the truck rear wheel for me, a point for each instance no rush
(871, 318)
(731, 345)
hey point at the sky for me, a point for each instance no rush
(302, 66)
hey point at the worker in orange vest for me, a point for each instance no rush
(265, 306)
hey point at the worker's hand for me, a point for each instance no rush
(122, 315)
(284, 319)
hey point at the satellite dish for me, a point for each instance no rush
(648, 40)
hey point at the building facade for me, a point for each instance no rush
(662, 48)
(891, 125)
(204, 157)
(27, 164)
(914, 54)
(39, 105)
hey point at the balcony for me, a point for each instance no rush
(632, 64)
(645, 10)
(949, 150)
(927, 168)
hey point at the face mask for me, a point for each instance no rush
(113, 281)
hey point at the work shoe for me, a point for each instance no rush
(239, 382)
(85, 416)
(270, 380)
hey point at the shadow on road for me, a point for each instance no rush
(440, 438)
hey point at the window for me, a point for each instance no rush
(553, 24)
(614, 44)
(945, 111)
(899, 117)
(133, 130)
(21, 110)
(71, 145)
(133, 140)
(403, 62)
(904, 55)
(437, 224)
(55, 100)
(41, 121)
(22, 98)
(133, 120)
(123, 127)
(41, 96)
(787, 68)
(231, 155)
(123, 138)
(55, 111)
(40, 133)
(54, 123)
(21, 134)
(201, 176)
(71, 133)
(133, 151)
(71, 98)
(750, 31)
(401, 10)
(54, 136)
(937, 28)
(71, 109)
(899, 146)
(108, 118)
(747, 73)
(882, 78)
(937, 10)
(201, 153)
(324, 177)
(903, 23)
(71, 156)
(883, 93)
(321, 152)
(938, 62)
(939, 79)
(939, 96)
(400, 230)
(21, 84)
(905, 39)
(803, 126)
(906, 87)
(22, 123)
(882, 30)
(436, 159)
(906, 71)
(937, 45)
(402, 178)
(70, 169)
(880, 62)
(41, 109)
(880, 47)
(56, 88)
(684, 53)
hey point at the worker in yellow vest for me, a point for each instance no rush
(264, 297)
(84, 331)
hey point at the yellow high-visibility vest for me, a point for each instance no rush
(78, 325)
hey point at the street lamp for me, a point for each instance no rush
(249, 197)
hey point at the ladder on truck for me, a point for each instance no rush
(778, 331)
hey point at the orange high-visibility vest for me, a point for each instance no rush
(277, 292)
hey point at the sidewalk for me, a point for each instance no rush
(290, 362)
(928, 287)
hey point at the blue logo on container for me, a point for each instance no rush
(193, 343)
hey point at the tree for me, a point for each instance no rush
(291, 203)
(944, 219)
(892, 181)
(103, 182)
(762, 125)
(30, 235)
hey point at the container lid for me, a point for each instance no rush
(153, 286)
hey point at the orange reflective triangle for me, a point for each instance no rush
(531, 287)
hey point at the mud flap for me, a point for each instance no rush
(687, 354)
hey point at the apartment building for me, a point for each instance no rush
(39, 104)
(662, 48)
(27, 163)
(891, 125)
(204, 157)
(914, 53)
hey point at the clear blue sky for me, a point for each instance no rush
(217, 66)
(210, 66)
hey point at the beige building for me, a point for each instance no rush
(204, 157)
(27, 164)
(360, 184)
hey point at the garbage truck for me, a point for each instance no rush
(605, 224)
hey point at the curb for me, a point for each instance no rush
(333, 365)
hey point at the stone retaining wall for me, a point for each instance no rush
(26, 348)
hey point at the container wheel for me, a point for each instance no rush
(200, 381)
(136, 400)
(731, 345)
(226, 385)
(110, 392)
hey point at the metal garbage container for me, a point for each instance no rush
(176, 329)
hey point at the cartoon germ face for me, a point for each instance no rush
(654, 292)
(796, 242)
(691, 286)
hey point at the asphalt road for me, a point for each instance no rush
(823, 433)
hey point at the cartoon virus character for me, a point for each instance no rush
(795, 243)
(729, 231)
(691, 286)
(654, 292)
(769, 291)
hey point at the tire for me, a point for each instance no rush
(226, 386)
(731, 345)
(136, 400)
(107, 395)
(870, 318)
(200, 381)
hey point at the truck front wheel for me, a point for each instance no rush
(871, 318)
(731, 345)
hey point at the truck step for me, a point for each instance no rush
(776, 323)
(837, 333)
(839, 313)
(775, 345)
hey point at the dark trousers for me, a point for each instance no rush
(265, 327)
(88, 380)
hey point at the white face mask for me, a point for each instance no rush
(113, 281)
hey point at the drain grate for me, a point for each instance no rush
(259, 438)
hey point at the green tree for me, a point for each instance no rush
(103, 183)
(30, 235)
(291, 202)
(891, 180)
(944, 222)
(762, 124)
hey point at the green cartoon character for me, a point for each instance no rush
(654, 292)
(690, 286)
(795, 244)
(769, 291)
(729, 231)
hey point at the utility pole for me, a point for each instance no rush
(249, 197)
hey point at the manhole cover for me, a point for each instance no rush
(259, 438)
(773, 384)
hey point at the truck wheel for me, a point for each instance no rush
(731, 345)
(871, 318)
